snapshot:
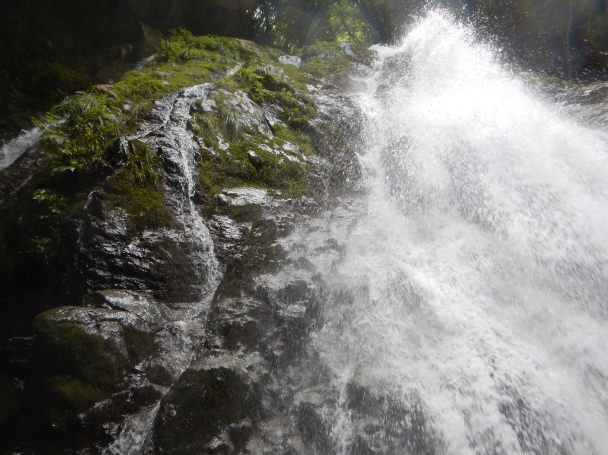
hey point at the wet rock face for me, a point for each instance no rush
(207, 404)
(193, 336)
(82, 355)
(258, 325)
(192, 304)
(156, 263)
(171, 262)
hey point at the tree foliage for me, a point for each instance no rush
(67, 45)
(570, 36)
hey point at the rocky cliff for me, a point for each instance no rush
(157, 294)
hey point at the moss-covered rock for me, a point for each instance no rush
(332, 61)
(269, 83)
(80, 377)
(255, 132)
(200, 405)
(103, 210)
(74, 370)
(66, 348)
(250, 163)
(82, 150)
(137, 188)
(70, 396)
(139, 344)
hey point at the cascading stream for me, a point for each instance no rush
(474, 291)
(13, 149)
(167, 131)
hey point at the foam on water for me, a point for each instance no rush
(475, 287)
(13, 149)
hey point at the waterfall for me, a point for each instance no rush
(13, 149)
(472, 298)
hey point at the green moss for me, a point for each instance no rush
(260, 83)
(80, 130)
(140, 86)
(264, 84)
(139, 344)
(137, 91)
(137, 187)
(208, 127)
(183, 61)
(247, 163)
(297, 113)
(299, 138)
(69, 393)
(65, 397)
(68, 350)
(200, 405)
(182, 46)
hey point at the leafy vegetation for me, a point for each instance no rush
(246, 163)
(80, 130)
(182, 46)
(54, 205)
(50, 209)
(137, 187)
(263, 86)
(52, 53)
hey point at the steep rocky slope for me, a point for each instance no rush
(156, 291)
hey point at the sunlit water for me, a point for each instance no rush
(475, 288)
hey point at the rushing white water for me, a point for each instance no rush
(475, 288)
(13, 149)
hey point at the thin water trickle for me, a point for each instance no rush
(475, 288)
(168, 133)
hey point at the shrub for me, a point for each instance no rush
(182, 45)
(80, 130)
